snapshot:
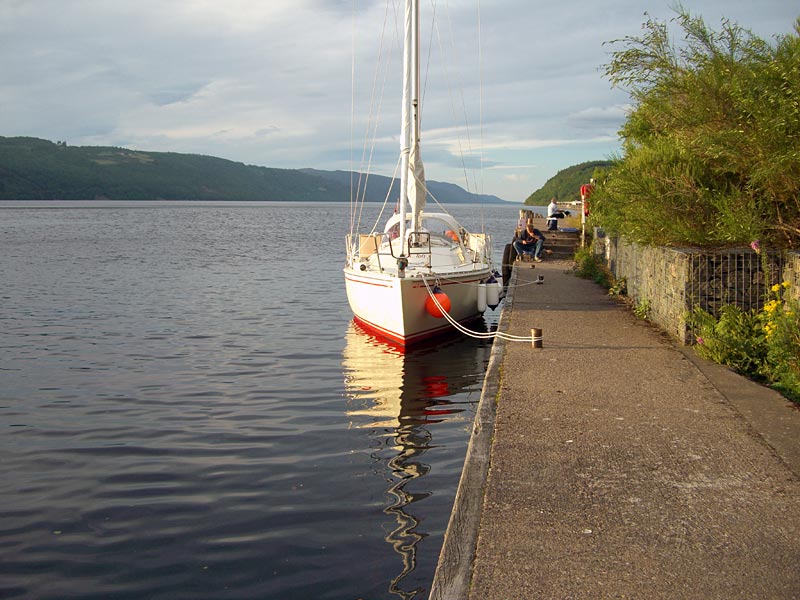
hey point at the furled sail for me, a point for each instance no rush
(416, 181)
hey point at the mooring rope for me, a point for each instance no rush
(481, 335)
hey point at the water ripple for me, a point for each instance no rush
(184, 417)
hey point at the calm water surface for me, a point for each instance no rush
(187, 410)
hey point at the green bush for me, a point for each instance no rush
(642, 309)
(589, 267)
(764, 345)
(710, 149)
(781, 321)
(734, 338)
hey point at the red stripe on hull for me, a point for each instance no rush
(417, 338)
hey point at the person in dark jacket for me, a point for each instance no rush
(530, 242)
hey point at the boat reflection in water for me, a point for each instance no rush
(413, 401)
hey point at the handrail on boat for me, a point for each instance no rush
(420, 244)
(369, 244)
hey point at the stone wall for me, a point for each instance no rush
(791, 273)
(669, 282)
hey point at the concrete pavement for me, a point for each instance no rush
(616, 464)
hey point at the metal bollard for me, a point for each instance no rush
(536, 337)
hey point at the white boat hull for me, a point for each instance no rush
(394, 307)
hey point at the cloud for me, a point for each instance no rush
(176, 94)
(270, 82)
(266, 131)
(596, 118)
(516, 177)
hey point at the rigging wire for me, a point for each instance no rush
(480, 96)
(469, 151)
(481, 335)
(386, 198)
(352, 103)
(480, 188)
(470, 179)
(373, 120)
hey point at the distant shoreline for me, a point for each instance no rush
(37, 169)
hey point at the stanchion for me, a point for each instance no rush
(536, 337)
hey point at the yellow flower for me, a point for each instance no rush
(787, 284)
(776, 287)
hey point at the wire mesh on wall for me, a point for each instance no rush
(737, 277)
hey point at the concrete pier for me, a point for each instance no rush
(614, 463)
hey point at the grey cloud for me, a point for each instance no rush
(265, 131)
(165, 97)
(599, 118)
(173, 75)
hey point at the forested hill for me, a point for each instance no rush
(36, 169)
(565, 185)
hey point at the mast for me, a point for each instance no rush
(405, 126)
(416, 189)
(412, 173)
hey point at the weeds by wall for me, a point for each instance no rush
(673, 281)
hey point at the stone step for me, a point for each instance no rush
(561, 253)
(563, 244)
(559, 237)
(562, 250)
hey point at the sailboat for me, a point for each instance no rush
(424, 273)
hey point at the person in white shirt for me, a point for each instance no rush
(552, 219)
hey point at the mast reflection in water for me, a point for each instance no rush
(413, 403)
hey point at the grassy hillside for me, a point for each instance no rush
(565, 185)
(36, 169)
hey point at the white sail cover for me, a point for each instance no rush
(416, 181)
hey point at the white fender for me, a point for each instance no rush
(481, 297)
(499, 278)
(492, 293)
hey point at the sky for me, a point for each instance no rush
(514, 90)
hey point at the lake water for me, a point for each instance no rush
(188, 411)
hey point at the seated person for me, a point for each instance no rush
(530, 242)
